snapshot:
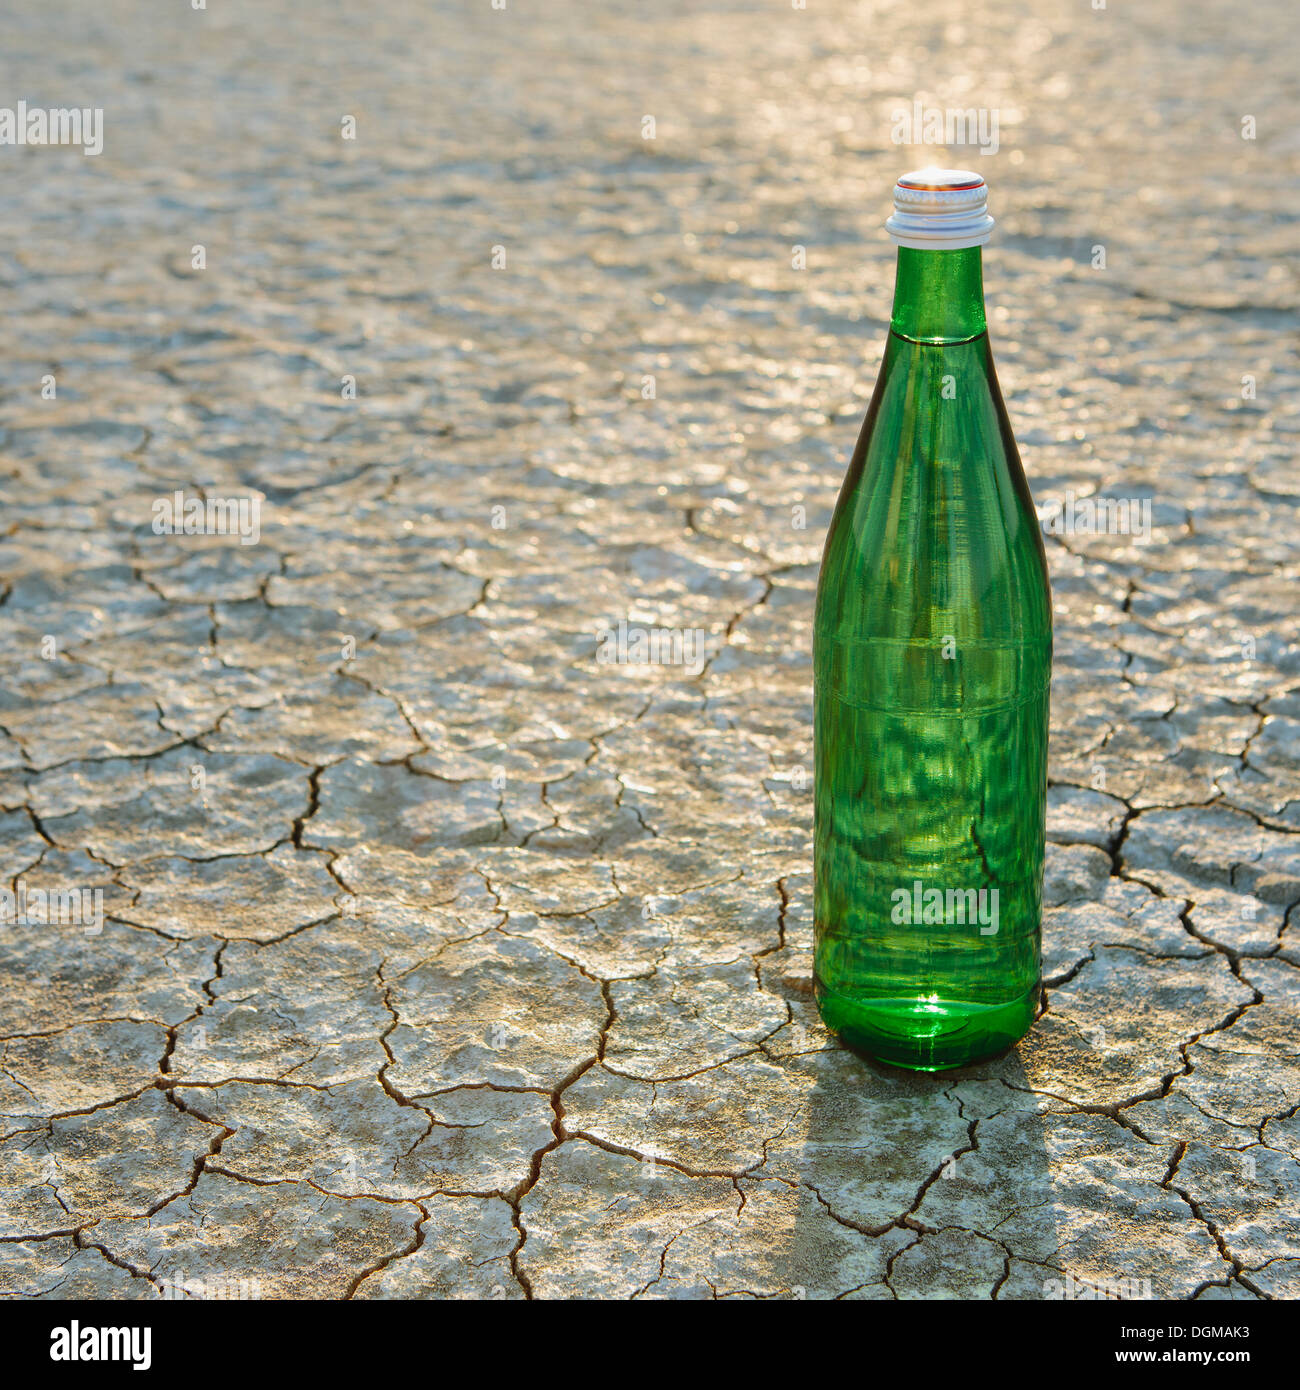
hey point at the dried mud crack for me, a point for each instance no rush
(440, 957)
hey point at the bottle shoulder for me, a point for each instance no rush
(935, 525)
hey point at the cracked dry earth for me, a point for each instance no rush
(472, 966)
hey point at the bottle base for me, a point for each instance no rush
(925, 1032)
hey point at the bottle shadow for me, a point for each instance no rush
(918, 1185)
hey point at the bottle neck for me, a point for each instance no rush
(939, 295)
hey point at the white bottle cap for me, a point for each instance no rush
(940, 210)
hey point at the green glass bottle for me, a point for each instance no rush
(932, 655)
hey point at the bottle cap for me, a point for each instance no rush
(940, 210)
